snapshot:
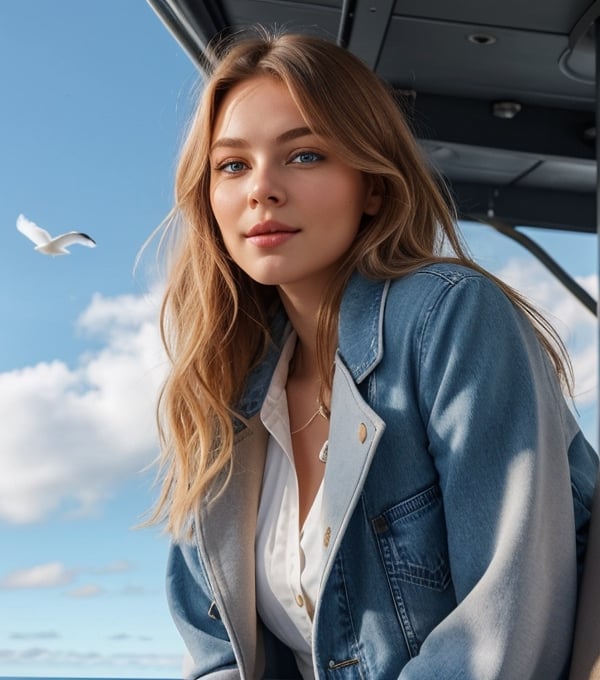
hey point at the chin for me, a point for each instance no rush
(267, 278)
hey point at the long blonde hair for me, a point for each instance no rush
(215, 320)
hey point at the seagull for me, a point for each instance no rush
(44, 243)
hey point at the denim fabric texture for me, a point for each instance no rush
(458, 489)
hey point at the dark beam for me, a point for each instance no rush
(370, 20)
(530, 207)
(194, 24)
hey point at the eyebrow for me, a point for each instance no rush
(287, 136)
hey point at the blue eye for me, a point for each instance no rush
(232, 167)
(307, 157)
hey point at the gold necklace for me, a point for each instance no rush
(319, 412)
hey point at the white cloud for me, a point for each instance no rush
(41, 576)
(589, 283)
(132, 590)
(89, 590)
(125, 637)
(55, 574)
(117, 567)
(36, 635)
(70, 435)
(49, 658)
(576, 325)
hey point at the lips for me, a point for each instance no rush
(270, 227)
(270, 234)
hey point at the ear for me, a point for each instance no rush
(373, 195)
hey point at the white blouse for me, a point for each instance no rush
(287, 560)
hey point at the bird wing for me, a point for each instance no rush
(72, 237)
(30, 229)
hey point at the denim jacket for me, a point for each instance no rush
(457, 495)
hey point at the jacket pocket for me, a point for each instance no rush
(412, 542)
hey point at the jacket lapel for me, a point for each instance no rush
(360, 329)
(355, 429)
(226, 530)
(354, 433)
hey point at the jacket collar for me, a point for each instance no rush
(360, 331)
(360, 339)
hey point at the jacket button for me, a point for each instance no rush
(327, 537)
(362, 433)
(299, 600)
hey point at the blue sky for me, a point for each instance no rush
(96, 95)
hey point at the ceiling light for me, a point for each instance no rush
(482, 38)
(505, 109)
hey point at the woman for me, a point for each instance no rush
(369, 467)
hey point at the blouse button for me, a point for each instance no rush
(362, 433)
(299, 600)
(327, 537)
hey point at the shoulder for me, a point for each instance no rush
(452, 308)
(427, 296)
(445, 286)
(439, 277)
(440, 299)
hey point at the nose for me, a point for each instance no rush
(266, 189)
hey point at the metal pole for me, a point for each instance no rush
(597, 125)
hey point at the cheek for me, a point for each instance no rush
(344, 191)
(217, 206)
(221, 205)
(214, 195)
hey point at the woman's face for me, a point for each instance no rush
(288, 209)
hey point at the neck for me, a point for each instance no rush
(304, 367)
(302, 311)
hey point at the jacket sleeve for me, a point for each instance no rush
(197, 618)
(516, 478)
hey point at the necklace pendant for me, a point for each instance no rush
(324, 451)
